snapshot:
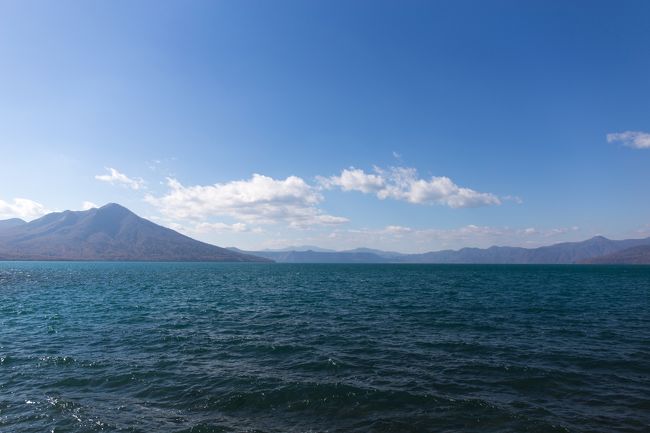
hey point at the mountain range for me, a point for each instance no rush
(595, 250)
(111, 232)
(561, 253)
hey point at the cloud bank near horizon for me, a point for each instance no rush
(394, 237)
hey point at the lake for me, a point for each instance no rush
(204, 347)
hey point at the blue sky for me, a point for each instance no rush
(407, 125)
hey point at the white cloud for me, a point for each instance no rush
(261, 200)
(203, 228)
(354, 179)
(549, 233)
(220, 227)
(116, 178)
(88, 205)
(402, 183)
(398, 229)
(22, 208)
(634, 139)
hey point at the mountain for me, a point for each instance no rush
(300, 248)
(562, 253)
(11, 223)
(111, 232)
(318, 257)
(380, 253)
(639, 255)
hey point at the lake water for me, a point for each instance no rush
(197, 347)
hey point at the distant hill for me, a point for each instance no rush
(300, 249)
(11, 223)
(111, 232)
(380, 253)
(639, 255)
(562, 253)
(318, 257)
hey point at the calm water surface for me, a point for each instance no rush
(323, 348)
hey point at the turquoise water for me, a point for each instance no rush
(295, 348)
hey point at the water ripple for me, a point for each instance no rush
(166, 347)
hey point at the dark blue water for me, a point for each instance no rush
(338, 348)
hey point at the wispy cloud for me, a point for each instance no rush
(260, 199)
(644, 230)
(200, 228)
(633, 139)
(403, 183)
(203, 228)
(88, 205)
(114, 177)
(22, 208)
(513, 198)
(397, 230)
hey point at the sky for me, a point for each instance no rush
(403, 125)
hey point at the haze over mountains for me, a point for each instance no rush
(595, 250)
(111, 232)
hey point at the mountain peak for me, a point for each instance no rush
(114, 207)
(113, 211)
